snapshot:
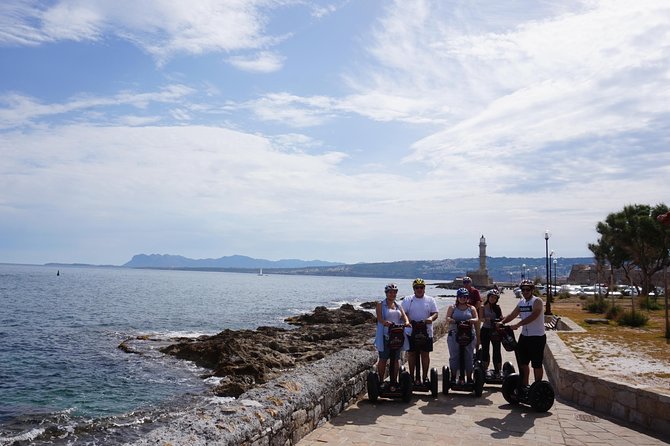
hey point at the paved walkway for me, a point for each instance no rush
(461, 418)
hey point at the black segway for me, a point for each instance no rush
(464, 338)
(539, 395)
(490, 376)
(392, 389)
(419, 338)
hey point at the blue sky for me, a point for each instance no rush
(351, 131)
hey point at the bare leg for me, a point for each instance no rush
(539, 373)
(411, 362)
(425, 364)
(381, 369)
(525, 371)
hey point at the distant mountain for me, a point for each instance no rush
(235, 261)
(501, 269)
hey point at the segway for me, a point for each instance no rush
(490, 376)
(463, 338)
(392, 389)
(539, 395)
(419, 339)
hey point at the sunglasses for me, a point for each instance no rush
(526, 289)
(419, 287)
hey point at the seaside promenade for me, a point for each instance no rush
(463, 419)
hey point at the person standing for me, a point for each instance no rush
(530, 347)
(489, 314)
(389, 313)
(461, 311)
(422, 312)
(474, 299)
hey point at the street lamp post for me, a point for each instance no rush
(547, 309)
(549, 289)
(523, 271)
(555, 281)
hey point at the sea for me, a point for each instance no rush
(64, 379)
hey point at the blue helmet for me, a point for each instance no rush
(462, 292)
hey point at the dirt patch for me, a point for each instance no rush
(636, 356)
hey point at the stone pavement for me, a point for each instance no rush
(461, 418)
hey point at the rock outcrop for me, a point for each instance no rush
(246, 358)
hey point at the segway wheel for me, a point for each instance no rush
(479, 381)
(541, 396)
(406, 386)
(508, 368)
(373, 386)
(433, 382)
(510, 386)
(446, 380)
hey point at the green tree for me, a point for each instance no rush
(633, 237)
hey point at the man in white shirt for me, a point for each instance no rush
(421, 311)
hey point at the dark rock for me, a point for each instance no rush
(369, 305)
(245, 358)
(346, 314)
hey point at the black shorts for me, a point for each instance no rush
(426, 347)
(530, 349)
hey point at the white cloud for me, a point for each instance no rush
(161, 28)
(22, 110)
(262, 62)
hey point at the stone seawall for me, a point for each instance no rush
(573, 382)
(280, 412)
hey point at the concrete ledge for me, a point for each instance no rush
(282, 411)
(573, 382)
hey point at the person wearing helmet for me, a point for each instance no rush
(461, 311)
(474, 299)
(389, 313)
(530, 347)
(489, 313)
(420, 309)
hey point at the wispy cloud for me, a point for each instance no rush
(262, 62)
(163, 28)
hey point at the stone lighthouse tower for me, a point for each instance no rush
(482, 255)
(480, 277)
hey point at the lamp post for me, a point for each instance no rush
(549, 290)
(555, 281)
(547, 308)
(523, 271)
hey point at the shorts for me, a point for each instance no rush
(530, 349)
(426, 347)
(386, 354)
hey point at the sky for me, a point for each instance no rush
(348, 131)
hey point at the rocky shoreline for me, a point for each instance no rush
(244, 359)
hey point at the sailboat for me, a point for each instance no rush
(260, 272)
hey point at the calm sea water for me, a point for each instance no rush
(64, 380)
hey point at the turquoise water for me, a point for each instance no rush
(62, 376)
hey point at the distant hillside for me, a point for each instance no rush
(501, 269)
(235, 261)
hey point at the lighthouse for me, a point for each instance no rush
(482, 255)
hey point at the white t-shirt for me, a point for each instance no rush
(420, 309)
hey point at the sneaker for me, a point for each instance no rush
(469, 380)
(426, 383)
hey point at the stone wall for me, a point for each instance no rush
(573, 382)
(280, 412)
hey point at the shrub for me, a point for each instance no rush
(649, 304)
(631, 319)
(596, 306)
(613, 312)
(563, 295)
